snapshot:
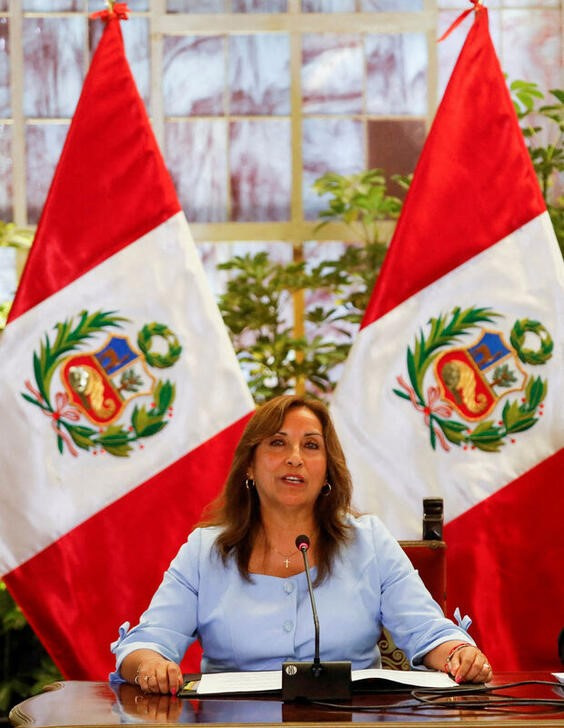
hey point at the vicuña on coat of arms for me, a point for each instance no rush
(471, 378)
(97, 385)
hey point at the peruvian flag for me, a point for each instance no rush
(453, 387)
(121, 396)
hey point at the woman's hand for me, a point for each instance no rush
(462, 660)
(152, 672)
(468, 664)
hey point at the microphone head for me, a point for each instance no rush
(302, 542)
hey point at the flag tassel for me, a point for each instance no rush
(477, 6)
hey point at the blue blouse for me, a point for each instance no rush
(258, 625)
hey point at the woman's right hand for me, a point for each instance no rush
(152, 672)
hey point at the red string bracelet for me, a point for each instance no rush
(453, 650)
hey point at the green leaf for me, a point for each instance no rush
(521, 425)
(486, 436)
(433, 437)
(485, 429)
(13, 236)
(455, 432)
(140, 419)
(413, 374)
(152, 428)
(82, 436)
(535, 390)
(493, 445)
(511, 414)
(164, 395)
(358, 200)
(116, 441)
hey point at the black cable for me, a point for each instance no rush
(481, 688)
(463, 697)
(406, 705)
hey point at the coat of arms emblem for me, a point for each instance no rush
(472, 378)
(98, 385)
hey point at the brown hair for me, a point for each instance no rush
(237, 509)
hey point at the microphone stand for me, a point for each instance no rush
(314, 680)
(316, 668)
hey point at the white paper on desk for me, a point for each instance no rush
(413, 678)
(240, 682)
(559, 676)
(216, 683)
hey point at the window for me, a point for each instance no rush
(251, 100)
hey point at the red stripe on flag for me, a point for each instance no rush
(94, 208)
(504, 562)
(105, 571)
(442, 224)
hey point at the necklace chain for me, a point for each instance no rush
(286, 557)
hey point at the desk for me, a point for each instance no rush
(97, 704)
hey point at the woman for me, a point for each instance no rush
(238, 584)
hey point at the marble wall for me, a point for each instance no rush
(246, 128)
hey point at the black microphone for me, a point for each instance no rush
(318, 680)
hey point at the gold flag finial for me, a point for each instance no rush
(113, 10)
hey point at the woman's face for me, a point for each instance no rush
(290, 467)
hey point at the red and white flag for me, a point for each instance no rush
(121, 396)
(453, 386)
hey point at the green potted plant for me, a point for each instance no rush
(25, 666)
(12, 239)
(539, 119)
(274, 358)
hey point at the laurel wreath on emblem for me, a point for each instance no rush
(517, 339)
(517, 415)
(144, 339)
(115, 438)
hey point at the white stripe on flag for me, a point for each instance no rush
(158, 278)
(385, 438)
